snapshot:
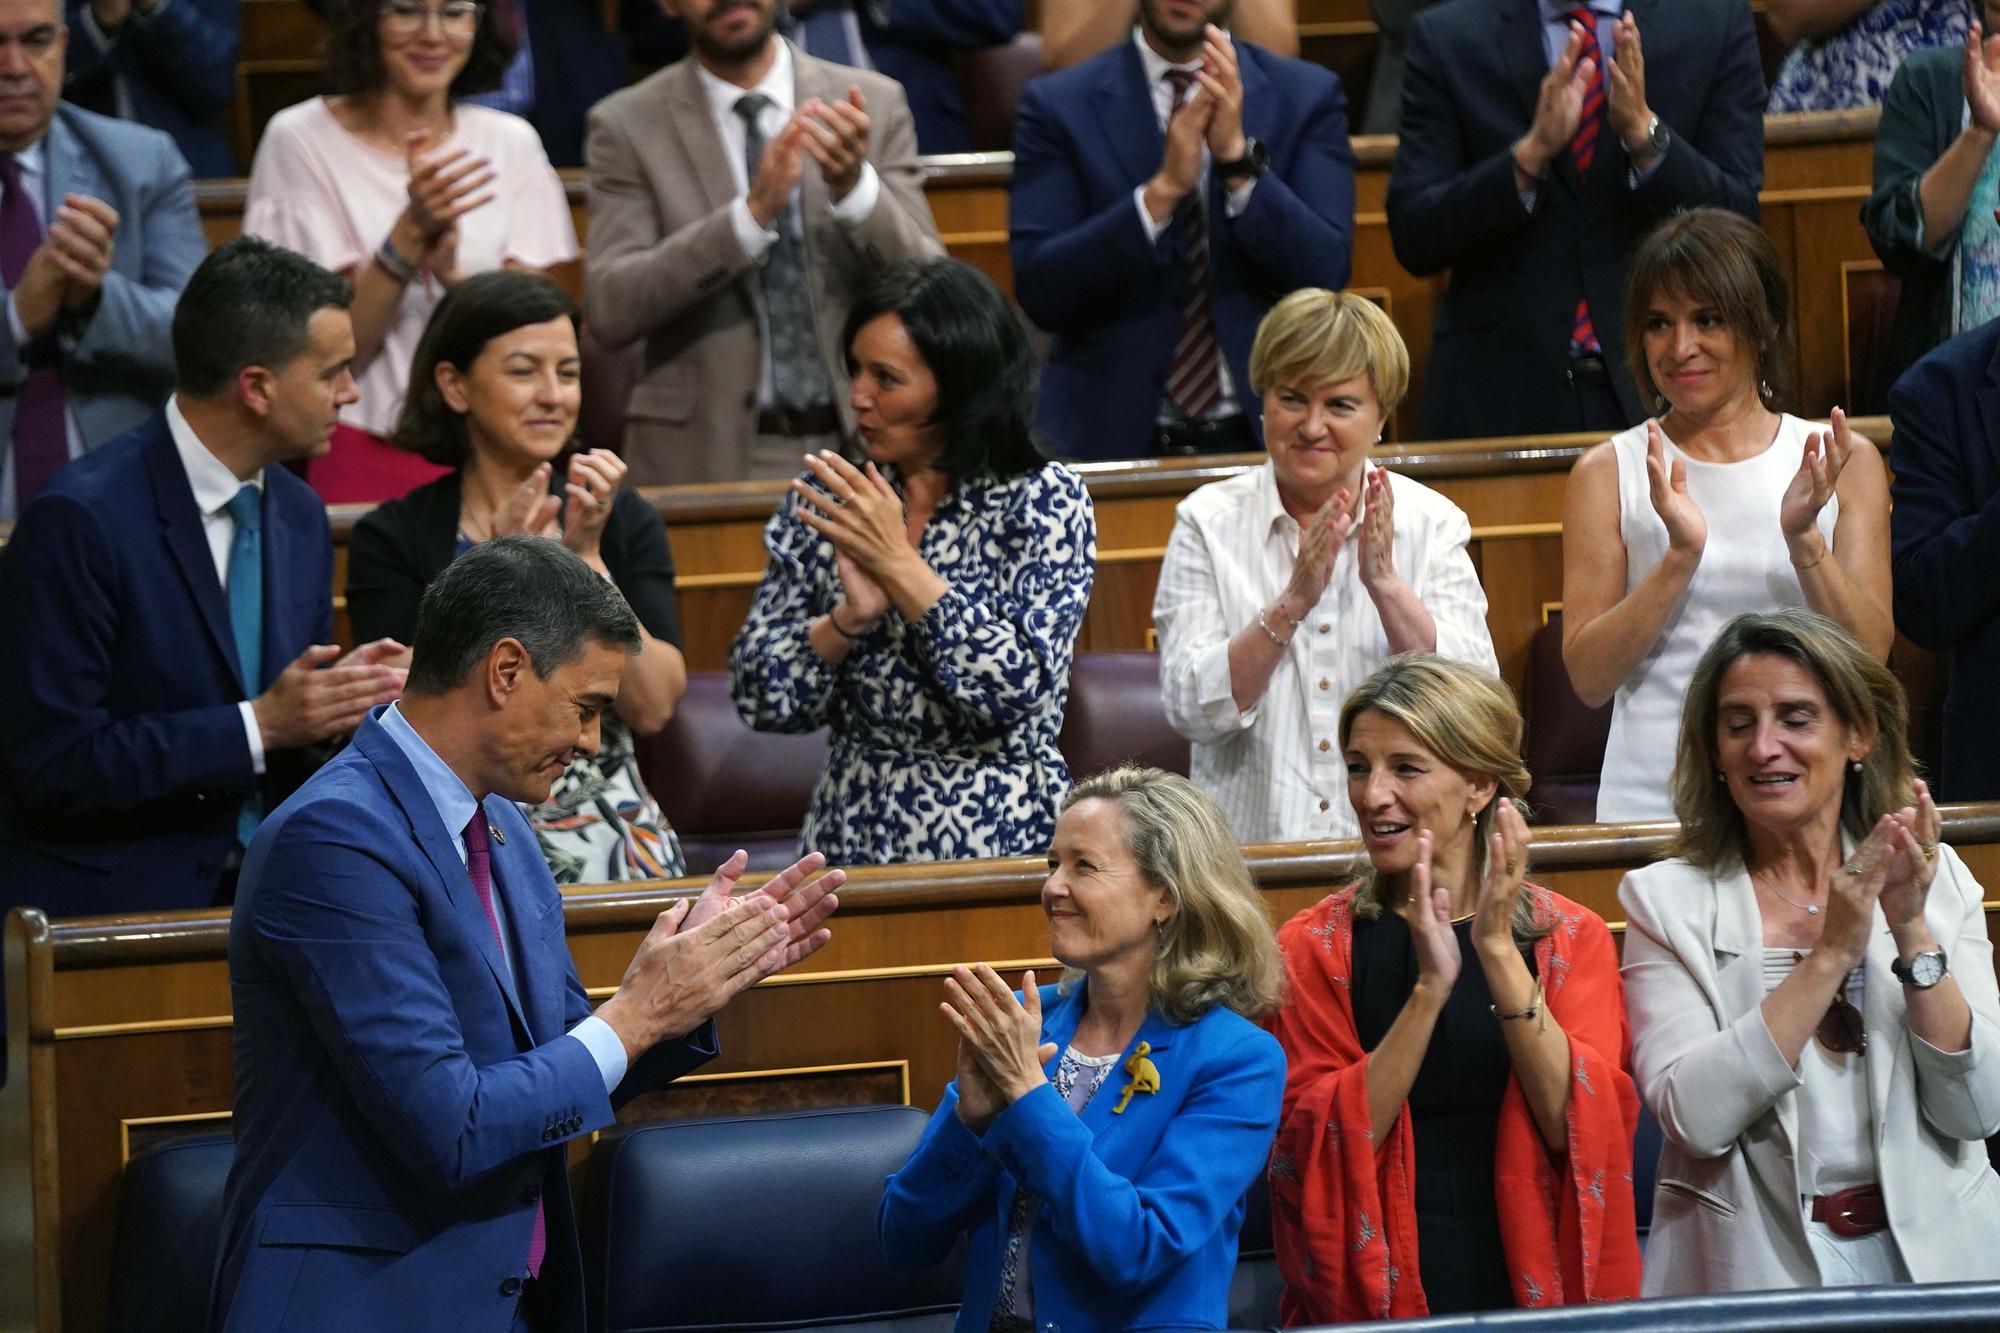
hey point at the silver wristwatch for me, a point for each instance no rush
(1653, 144)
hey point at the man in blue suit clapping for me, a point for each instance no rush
(413, 1047)
(1166, 194)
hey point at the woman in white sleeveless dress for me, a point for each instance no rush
(1721, 504)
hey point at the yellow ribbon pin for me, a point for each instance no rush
(1145, 1076)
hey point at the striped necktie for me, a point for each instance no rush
(1583, 151)
(1194, 379)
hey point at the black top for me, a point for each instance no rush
(400, 546)
(1454, 1108)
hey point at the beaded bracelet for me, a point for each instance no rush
(1272, 634)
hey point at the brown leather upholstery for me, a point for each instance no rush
(992, 78)
(1115, 715)
(724, 786)
(1564, 746)
(608, 378)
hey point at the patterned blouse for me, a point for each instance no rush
(1853, 67)
(944, 728)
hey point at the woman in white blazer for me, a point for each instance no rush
(1811, 989)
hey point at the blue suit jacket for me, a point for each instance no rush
(122, 755)
(401, 1103)
(914, 42)
(1139, 1209)
(1084, 140)
(1473, 72)
(179, 68)
(118, 365)
(1944, 542)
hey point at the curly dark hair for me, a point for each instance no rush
(354, 49)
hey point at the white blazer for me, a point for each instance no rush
(1727, 1212)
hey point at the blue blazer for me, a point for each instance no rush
(1472, 75)
(1084, 140)
(123, 761)
(1139, 1210)
(179, 69)
(401, 1103)
(1944, 543)
(915, 42)
(118, 365)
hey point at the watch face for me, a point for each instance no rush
(1927, 969)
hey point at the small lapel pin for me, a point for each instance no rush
(1145, 1076)
(499, 837)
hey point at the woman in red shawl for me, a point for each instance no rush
(1457, 1124)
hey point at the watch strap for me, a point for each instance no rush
(1906, 972)
(1255, 161)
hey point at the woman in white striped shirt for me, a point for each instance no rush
(1284, 587)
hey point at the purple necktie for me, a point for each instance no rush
(479, 865)
(41, 435)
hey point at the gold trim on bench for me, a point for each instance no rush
(869, 974)
(902, 1068)
(125, 1128)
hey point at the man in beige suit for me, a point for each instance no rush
(739, 201)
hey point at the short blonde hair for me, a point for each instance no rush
(1218, 946)
(1467, 718)
(1864, 694)
(1316, 337)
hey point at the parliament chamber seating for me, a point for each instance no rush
(169, 1226)
(992, 78)
(755, 1222)
(1563, 737)
(1256, 1286)
(723, 786)
(1114, 715)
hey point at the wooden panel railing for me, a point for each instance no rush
(119, 1029)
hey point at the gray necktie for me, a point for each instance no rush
(798, 378)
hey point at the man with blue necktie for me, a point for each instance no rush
(1540, 139)
(166, 616)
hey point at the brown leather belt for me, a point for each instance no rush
(821, 420)
(1856, 1212)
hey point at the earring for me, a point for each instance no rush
(1854, 767)
(1718, 776)
(1764, 390)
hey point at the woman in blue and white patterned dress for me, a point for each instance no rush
(925, 608)
(1841, 58)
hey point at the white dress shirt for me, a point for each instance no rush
(1276, 768)
(33, 161)
(1156, 66)
(214, 486)
(781, 86)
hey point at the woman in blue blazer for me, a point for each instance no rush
(1101, 1133)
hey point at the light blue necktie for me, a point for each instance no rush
(246, 617)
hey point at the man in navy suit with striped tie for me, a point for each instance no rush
(1166, 193)
(1540, 139)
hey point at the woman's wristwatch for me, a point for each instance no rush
(1923, 971)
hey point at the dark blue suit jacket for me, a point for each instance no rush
(179, 68)
(1500, 342)
(1944, 543)
(1085, 139)
(123, 761)
(915, 42)
(1140, 1207)
(401, 1102)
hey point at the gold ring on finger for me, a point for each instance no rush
(1929, 849)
